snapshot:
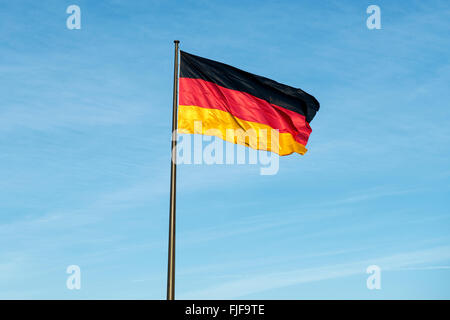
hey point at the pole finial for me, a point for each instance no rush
(176, 41)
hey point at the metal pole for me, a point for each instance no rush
(173, 175)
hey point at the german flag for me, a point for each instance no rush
(216, 99)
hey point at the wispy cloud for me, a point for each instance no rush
(375, 193)
(251, 284)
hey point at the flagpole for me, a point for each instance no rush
(173, 174)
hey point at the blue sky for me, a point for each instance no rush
(85, 120)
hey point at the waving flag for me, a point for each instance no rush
(215, 97)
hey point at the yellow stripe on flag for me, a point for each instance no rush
(224, 125)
